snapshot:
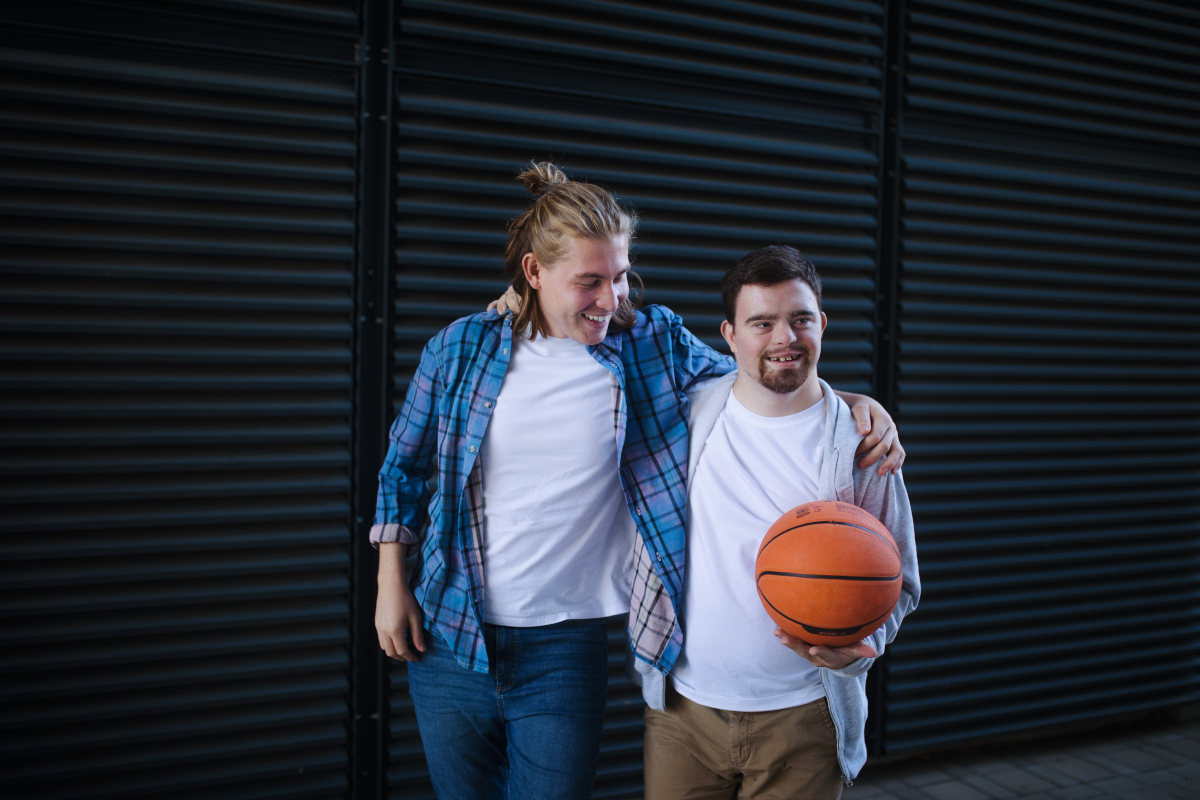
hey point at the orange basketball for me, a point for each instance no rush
(828, 573)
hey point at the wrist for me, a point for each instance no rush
(851, 399)
(391, 563)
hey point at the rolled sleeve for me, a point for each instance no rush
(390, 532)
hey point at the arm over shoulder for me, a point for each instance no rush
(691, 359)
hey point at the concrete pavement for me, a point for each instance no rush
(1151, 759)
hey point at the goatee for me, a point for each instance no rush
(784, 381)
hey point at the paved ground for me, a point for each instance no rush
(1153, 759)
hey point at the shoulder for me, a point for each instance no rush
(656, 328)
(659, 316)
(466, 332)
(705, 391)
(653, 320)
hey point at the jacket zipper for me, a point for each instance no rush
(837, 729)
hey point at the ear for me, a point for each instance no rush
(824, 321)
(532, 270)
(727, 332)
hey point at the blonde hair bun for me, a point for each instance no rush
(540, 176)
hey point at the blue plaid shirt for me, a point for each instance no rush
(440, 430)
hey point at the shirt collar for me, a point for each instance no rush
(610, 346)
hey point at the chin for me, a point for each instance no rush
(590, 335)
(784, 382)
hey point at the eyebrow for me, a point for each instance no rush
(772, 317)
(598, 275)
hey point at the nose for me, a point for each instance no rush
(784, 335)
(609, 298)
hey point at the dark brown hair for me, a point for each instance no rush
(767, 266)
(561, 208)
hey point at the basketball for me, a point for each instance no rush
(828, 573)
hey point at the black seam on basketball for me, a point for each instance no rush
(823, 631)
(829, 522)
(828, 577)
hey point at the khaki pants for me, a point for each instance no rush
(698, 753)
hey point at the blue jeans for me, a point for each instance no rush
(529, 728)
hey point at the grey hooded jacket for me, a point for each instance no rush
(882, 495)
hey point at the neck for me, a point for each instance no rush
(760, 400)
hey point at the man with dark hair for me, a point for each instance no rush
(741, 714)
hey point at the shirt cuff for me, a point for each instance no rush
(391, 532)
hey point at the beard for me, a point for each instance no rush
(784, 381)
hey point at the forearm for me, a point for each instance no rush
(398, 616)
(392, 556)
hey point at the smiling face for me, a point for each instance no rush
(578, 294)
(777, 338)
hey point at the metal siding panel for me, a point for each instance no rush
(1048, 368)
(177, 272)
(729, 126)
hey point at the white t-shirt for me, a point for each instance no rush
(751, 471)
(558, 536)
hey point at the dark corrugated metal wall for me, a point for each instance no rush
(728, 126)
(185, 208)
(178, 191)
(1049, 367)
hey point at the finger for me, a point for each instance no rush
(895, 456)
(856, 651)
(493, 305)
(866, 443)
(841, 657)
(784, 639)
(889, 462)
(873, 455)
(883, 433)
(862, 418)
(881, 448)
(385, 643)
(797, 646)
(898, 449)
(403, 651)
(416, 632)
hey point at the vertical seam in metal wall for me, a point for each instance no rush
(886, 290)
(368, 742)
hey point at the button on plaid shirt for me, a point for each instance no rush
(440, 430)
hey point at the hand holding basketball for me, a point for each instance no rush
(828, 657)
